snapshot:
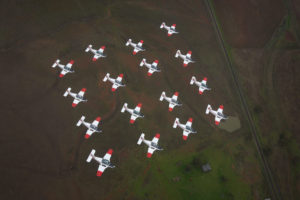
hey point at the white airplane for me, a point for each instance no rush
(92, 127)
(97, 53)
(218, 114)
(170, 29)
(186, 58)
(152, 145)
(116, 82)
(77, 97)
(103, 162)
(64, 68)
(187, 128)
(202, 85)
(172, 101)
(152, 67)
(137, 47)
(135, 113)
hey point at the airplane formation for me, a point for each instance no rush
(135, 113)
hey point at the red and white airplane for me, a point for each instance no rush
(172, 101)
(137, 47)
(97, 53)
(171, 29)
(187, 128)
(152, 67)
(103, 162)
(135, 113)
(202, 85)
(77, 97)
(92, 127)
(64, 68)
(218, 114)
(186, 58)
(116, 82)
(152, 145)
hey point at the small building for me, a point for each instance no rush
(206, 167)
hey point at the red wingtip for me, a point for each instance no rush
(83, 89)
(157, 135)
(174, 25)
(103, 47)
(61, 75)
(149, 74)
(99, 173)
(149, 155)
(86, 136)
(185, 65)
(205, 78)
(71, 62)
(190, 119)
(189, 52)
(113, 89)
(176, 93)
(74, 105)
(170, 109)
(121, 75)
(142, 41)
(200, 92)
(131, 121)
(156, 61)
(110, 151)
(98, 119)
(184, 137)
(221, 106)
(139, 105)
(94, 59)
(134, 53)
(169, 34)
(217, 123)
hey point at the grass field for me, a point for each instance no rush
(44, 152)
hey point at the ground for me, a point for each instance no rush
(44, 153)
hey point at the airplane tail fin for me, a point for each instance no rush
(88, 48)
(56, 63)
(193, 80)
(106, 77)
(177, 53)
(67, 92)
(175, 123)
(80, 121)
(128, 42)
(92, 154)
(143, 62)
(162, 25)
(124, 107)
(141, 139)
(162, 96)
(208, 109)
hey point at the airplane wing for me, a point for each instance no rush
(156, 138)
(185, 63)
(150, 71)
(189, 54)
(132, 118)
(120, 77)
(155, 63)
(62, 73)
(175, 96)
(135, 51)
(101, 169)
(108, 154)
(114, 87)
(220, 109)
(96, 121)
(82, 91)
(150, 152)
(101, 49)
(201, 90)
(140, 44)
(75, 102)
(70, 64)
(171, 106)
(204, 80)
(96, 56)
(138, 107)
(88, 133)
(185, 134)
(173, 26)
(217, 120)
(189, 122)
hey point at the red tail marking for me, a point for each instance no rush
(205, 79)
(139, 105)
(176, 93)
(113, 89)
(217, 123)
(156, 61)
(83, 89)
(200, 92)
(103, 47)
(189, 52)
(134, 52)
(185, 65)
(121, 75)
(61, 75)
(142, 41)
(169, 34)
(149, 74)
(174, 25)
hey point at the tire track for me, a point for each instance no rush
(275, 192)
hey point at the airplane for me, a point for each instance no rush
(97, 53)
(186, 58)
(77, 97)
(116, 82)
(218, 114)
(172, 101)
(137, 47)
(152, 145)
(64, 68)
(152, 67)
(135, 113)
(202, 85)
(92, 127)
(187, 128)
(103, 162)
(171, 30)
